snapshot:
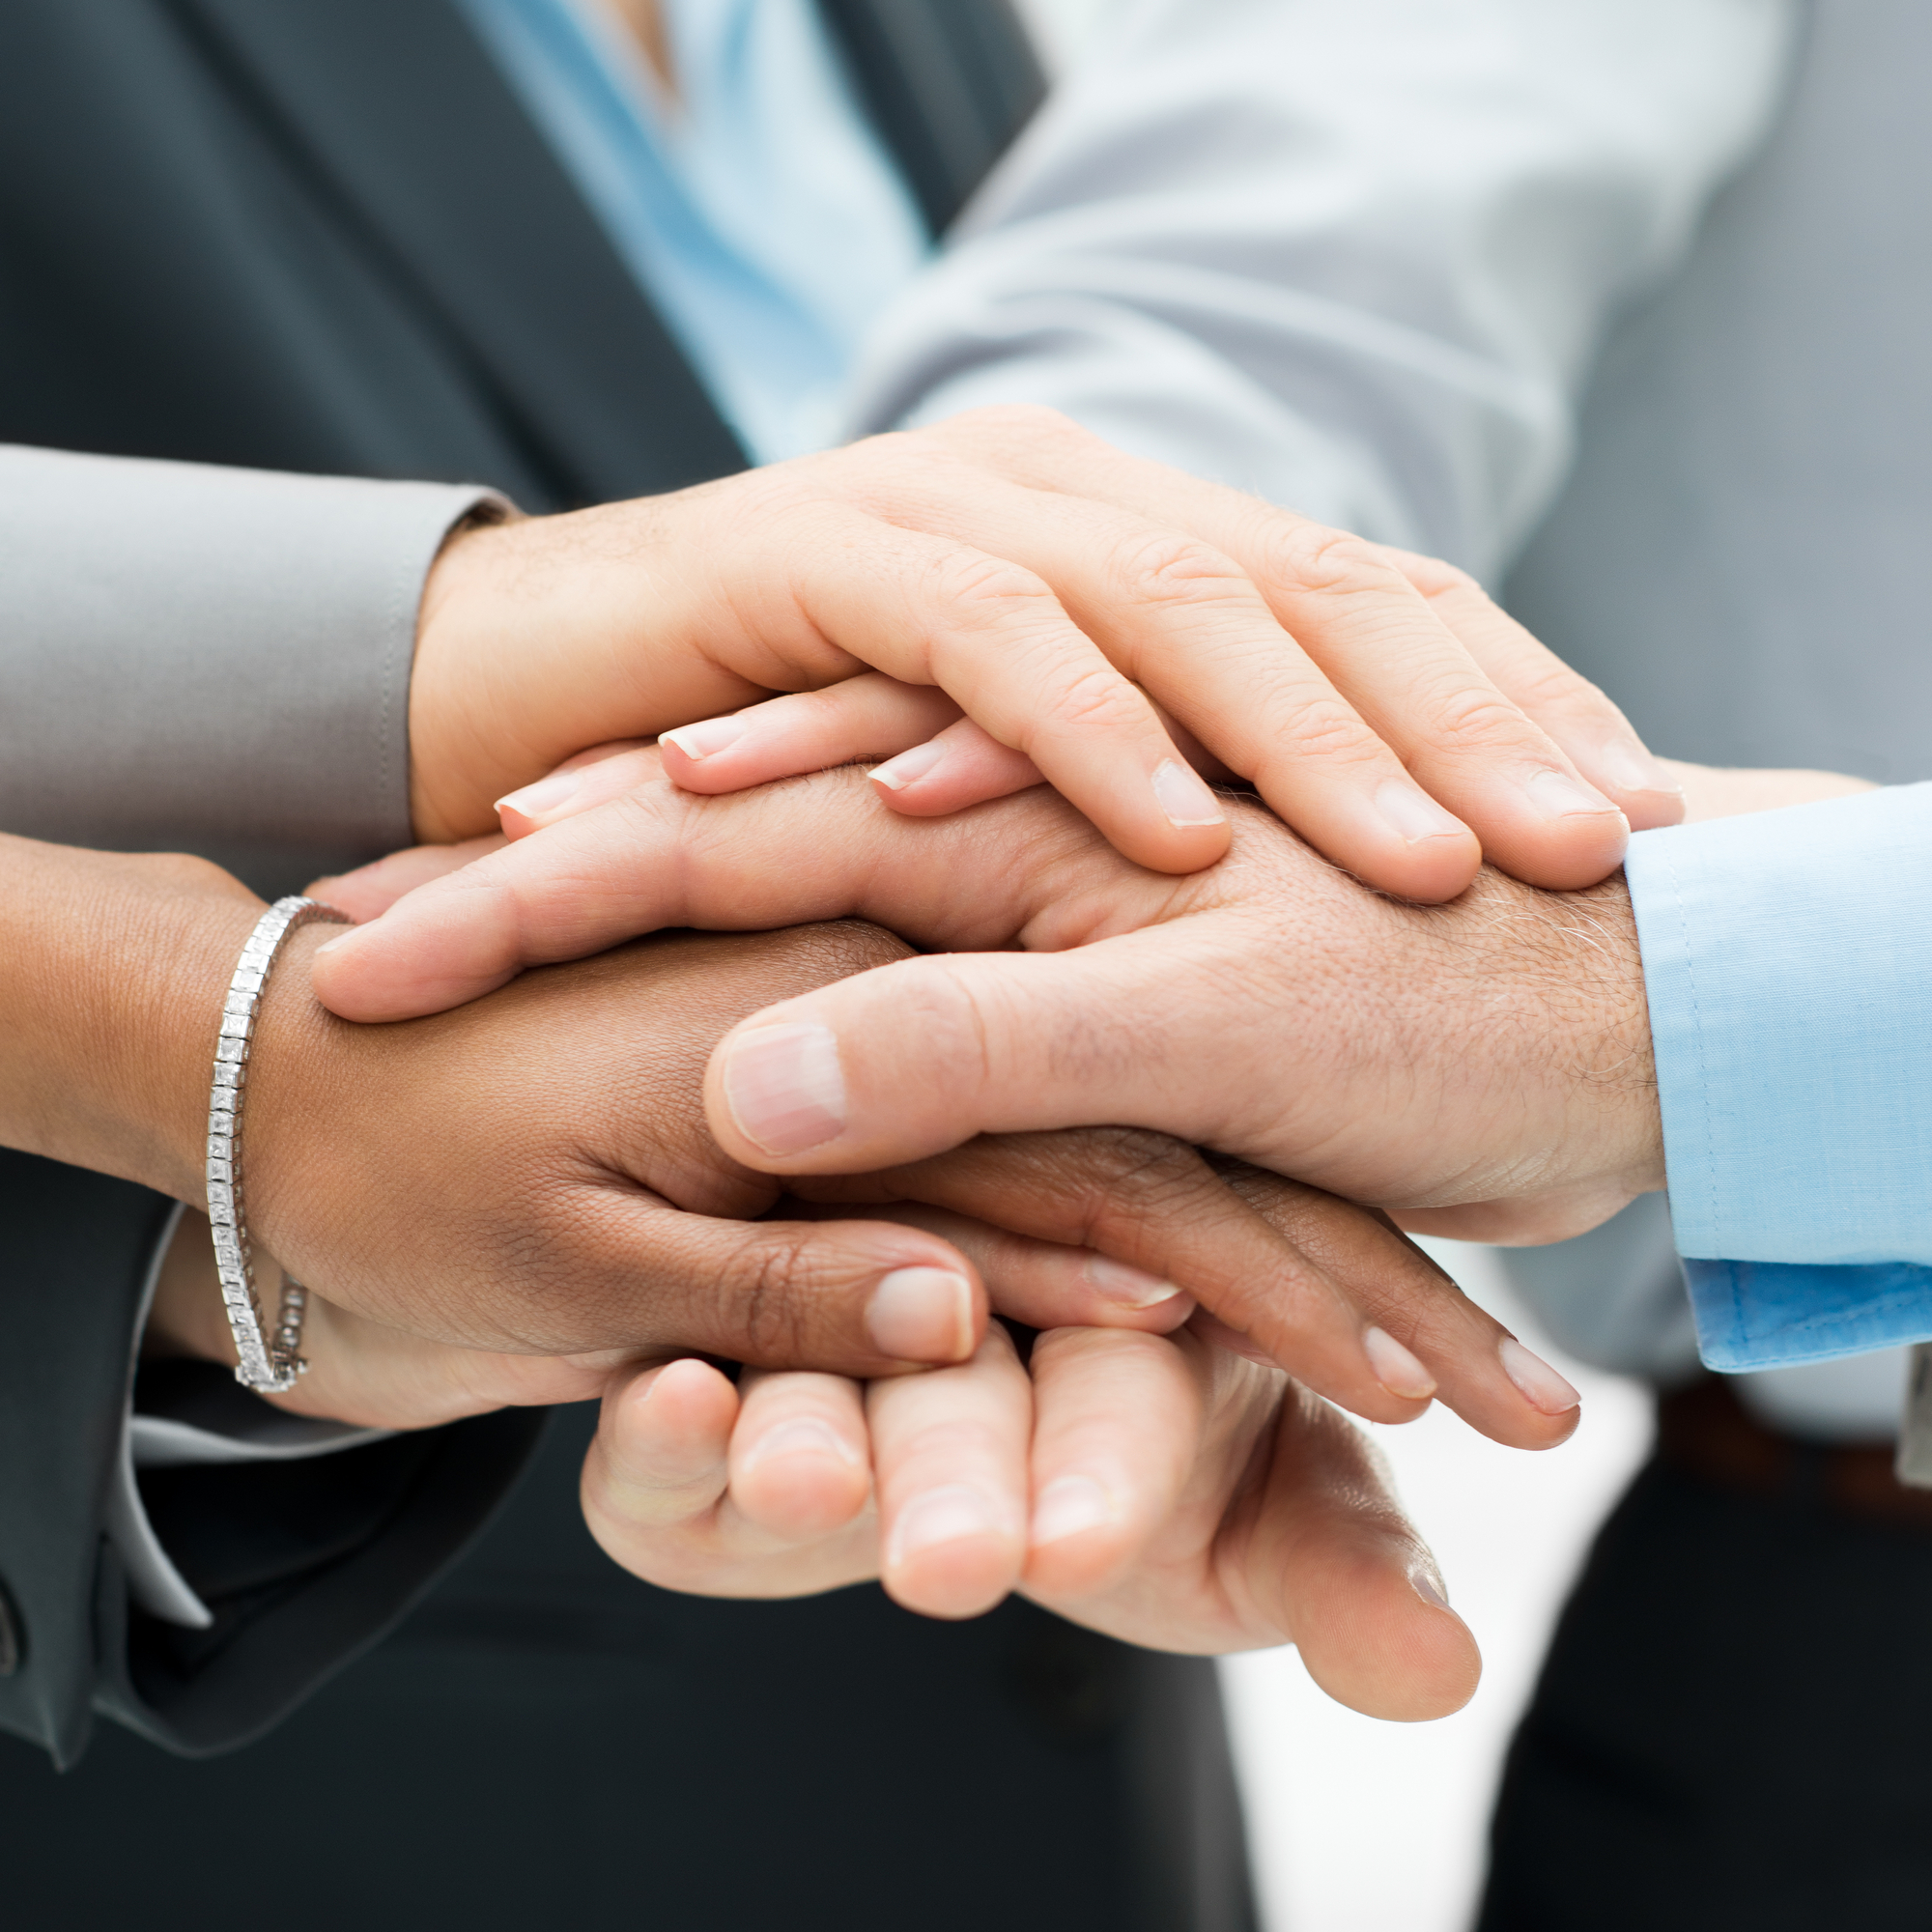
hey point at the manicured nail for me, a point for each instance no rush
(801, 1435)
(1414, 814)
(1429, 1588)
(921, 1315)
(896, 773)
(786, 1087)
(1538, 1383)
(1395, 1368)
(1630, 768)
(1557, 795)
(943, 1516)
(1069, 1506)
(1183, 794)
(706, 736)
(546, 795)
(1127, 1287)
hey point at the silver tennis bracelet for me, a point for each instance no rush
(267, 1366)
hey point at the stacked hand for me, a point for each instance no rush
(1094, 617)
(516, 1200)
(1483, 1068)
(1166, 1490)
(1152, 1486)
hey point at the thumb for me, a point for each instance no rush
(370, 891)
(910, 1059)
(1337, 1565)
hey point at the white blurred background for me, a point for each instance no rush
(1358, 1825)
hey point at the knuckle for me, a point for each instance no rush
(895, 459)
(1170, 567)
(987, 591)
(1328, 563)
(944, 1008)
(773, 1287)
(1025, 422)
(837, 949)
(1546, 683)
(1123, 1178)
(1323, 731)
(1094, 699)
(1436, 576)
(1473, 718)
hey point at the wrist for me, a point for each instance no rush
(1712, 793)
(112, 974)
(456, 772)
(539, 638)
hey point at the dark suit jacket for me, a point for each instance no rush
(321, 238)
(320, 235)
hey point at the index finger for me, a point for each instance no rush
(1591, 738)
(1151, 1201)
(655, 856)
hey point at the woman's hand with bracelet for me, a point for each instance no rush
(505, 1185)
(532, 1173)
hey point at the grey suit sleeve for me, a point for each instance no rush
(211, 660)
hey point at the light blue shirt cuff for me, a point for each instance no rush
(1787, 956)
(1776, 1314)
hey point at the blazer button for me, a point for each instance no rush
(10, 1643)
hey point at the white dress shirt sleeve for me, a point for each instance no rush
(1356, 259)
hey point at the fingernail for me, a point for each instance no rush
(707, 736)
(1414, 814)
(1183, 794)
(786, 1087)
(1429, 1588)
(896, 773)
(329, 945)
(921, 1315)
(1557, 795)
(1395, 1368)
(546, 795)
(801, 1435)
(1069, 1506)
(1128, 1286)
(1631, 769)
(1538, 1383)
(942, 1516)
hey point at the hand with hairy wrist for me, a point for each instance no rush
(1351, 1318)
(1481, 1067)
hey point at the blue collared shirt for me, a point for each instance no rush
(759, 210)
(1787, 956)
